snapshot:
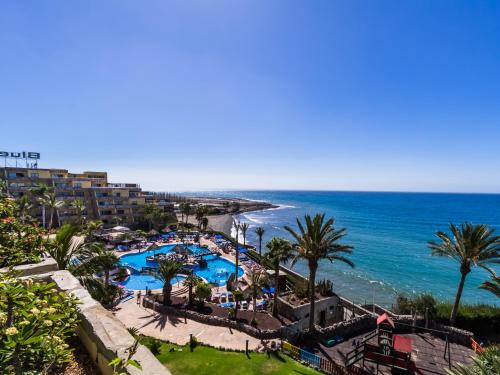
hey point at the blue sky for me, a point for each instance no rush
(195, 95)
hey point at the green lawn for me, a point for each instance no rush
(208, 361)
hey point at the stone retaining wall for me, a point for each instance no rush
(212, 320)
(46, 265)
(102, 334)
(349, 328)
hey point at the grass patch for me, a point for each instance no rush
(209, 361)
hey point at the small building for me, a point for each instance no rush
(328, 310)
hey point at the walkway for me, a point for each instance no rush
(176, 330)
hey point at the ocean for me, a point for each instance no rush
(389, 232)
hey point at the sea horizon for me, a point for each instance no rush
(390, 243)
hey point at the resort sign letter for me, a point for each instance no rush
(24, 155)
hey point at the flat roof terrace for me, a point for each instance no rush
(427, 353)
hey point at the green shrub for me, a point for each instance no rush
(19, 243)
(35, 322)
(301, 288)
(202, 293)
(155, 347)
(421, 303)
(481, 319)
(325, 288)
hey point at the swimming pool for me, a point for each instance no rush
(142, 280)
(217, 270)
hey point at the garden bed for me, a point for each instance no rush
(80, 362)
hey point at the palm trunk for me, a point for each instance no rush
(106, 278)
(51, 217)
(43, 216)
(254, 304)
(454, 311)
(312, 281)
(167, 290)
(276, 288)
(260, 246)
(57, 218)
(190, 295)
(236, 263)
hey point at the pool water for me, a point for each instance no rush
(217, 270)
(142, 280)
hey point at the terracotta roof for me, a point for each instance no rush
(384, 317)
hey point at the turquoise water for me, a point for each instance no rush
(217, 271)
(389, 232)
(141, 281)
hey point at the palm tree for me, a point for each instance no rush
(54, 204)
(23, 208)
(79, 207)
(316, 241)
(204, 223)
(151, 213)
(200, 213)
(257, 280)
(259, 231)
(70, 252)
(40, 192)
(187, 210)
(167, 269)
(279, 251)
(244, 228)
(492, 286)
(106, 261)
(470, 245)
(4, 188)
(237, 227)
(191, 281)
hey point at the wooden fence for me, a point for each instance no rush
(321, 363)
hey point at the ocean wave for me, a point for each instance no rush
(281, 207)
(253, 218)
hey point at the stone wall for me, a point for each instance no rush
(212, 320)
(350, 328)
(103, 335)
(46, 265)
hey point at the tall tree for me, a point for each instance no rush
(191, 281)
(54, 204)
(24, 207)
(204, 223)
(257, 280)
(188, 209)
(167, 269)
(79, 206)
(200, 213)
(315, 241)
(72, 253)
(470, 245)
(279, 251)
(244, 228)
(40, 193)
(237, 250)
(259, 231)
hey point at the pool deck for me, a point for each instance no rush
(177, 330)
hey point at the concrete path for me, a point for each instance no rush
(176, 330)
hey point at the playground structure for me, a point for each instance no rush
(392, 350)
